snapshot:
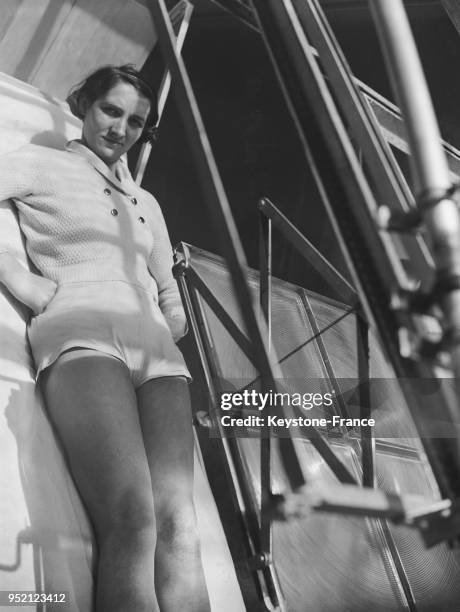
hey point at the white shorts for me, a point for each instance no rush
(113, 317)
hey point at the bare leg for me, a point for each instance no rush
(92, 403)
(166, 421)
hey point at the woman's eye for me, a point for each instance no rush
(108, 110)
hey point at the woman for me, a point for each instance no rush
(107, 314)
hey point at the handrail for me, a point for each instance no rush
(331, 275)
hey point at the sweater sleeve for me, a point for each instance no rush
(19, 173)
(19, 178)
(160, 266)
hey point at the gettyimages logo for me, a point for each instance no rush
(259, 401)
(383, 406)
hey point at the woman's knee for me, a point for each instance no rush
(131, 516)
(177, 528)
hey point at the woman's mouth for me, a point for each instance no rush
(112, 142)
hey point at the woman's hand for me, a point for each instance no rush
(177, 325)
(33, 290)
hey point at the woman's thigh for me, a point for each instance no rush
(92, 405)
(166, 421)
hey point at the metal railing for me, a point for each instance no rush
(387, 296)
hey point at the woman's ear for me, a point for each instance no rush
(83, 105)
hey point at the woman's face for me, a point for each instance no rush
(115, 121)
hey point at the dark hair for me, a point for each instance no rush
(100, 82)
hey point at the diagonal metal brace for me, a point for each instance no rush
(219, 209)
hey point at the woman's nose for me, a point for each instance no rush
(118, 127)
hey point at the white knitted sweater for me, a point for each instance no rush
(85, 222)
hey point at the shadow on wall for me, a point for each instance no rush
(41, 502)
(41, 505)
(58, 529)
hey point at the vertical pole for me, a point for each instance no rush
(367, 435)
(430, 169)
(38, 571)
(265, 288)
(146, 149)
(265, 266)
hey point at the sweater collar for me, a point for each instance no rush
(118, 174)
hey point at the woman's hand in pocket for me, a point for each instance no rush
(44, 291)
(33, 290)
(177, 326)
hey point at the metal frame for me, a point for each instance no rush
(385, 115)
(343, 288)
(376, 505)
(378, 273)
(305, 90)
(388, 183)
(257, 521)
(391, 124)
(265, 300)
(316, 260)
(367, 440)
(430, 171)
(285, 25)
(241, 10)
(180, 18)
(258, 530)
(193, 290)
(219, 209)
(272, 214)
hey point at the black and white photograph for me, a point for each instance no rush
(229, 305)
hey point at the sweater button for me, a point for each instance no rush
(107, 191)
(134, 200)
(141, 219)
(114, 212)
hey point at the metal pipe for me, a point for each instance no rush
(265, 265)
(388, 181)
(409, 85)
(265, 299)
(367, 435)
(431, 172)
(330, 275)
(182, 12)
(219, 209)
(214, 193)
